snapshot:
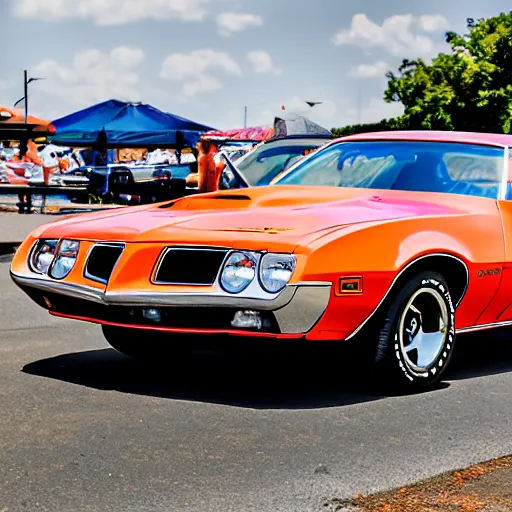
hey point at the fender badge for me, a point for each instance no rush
(488, 272)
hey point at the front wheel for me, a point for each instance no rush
(417, 336)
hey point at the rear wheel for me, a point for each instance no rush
(416, 337)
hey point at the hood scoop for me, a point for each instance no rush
(210, 202)
(231, 198)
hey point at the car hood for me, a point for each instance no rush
(252, 218)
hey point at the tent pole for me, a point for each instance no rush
(245, 117)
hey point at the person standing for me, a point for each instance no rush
(24, 155)
(209, 171)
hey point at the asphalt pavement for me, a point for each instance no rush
(14, 227)
(85, 428)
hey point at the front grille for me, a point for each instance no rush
(183, 266)
(101, 262)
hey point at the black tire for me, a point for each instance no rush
(398, 364)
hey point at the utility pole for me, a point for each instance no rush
(245, 117)
(26, 81)
(25, 88)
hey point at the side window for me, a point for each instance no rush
(463, 167)
(482, 175)
(263, 165)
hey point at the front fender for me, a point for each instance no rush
(379, 251)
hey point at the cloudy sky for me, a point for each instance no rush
(207, 59)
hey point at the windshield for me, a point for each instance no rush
(262, 165)
(404, 165)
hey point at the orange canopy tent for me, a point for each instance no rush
(16, 115)
(14, 128)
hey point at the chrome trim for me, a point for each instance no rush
(216, 298)
(297, 308)
(310, 283)
(213, 299)
(484, 327)
(103, 244)
(69, 289)
(398, 277)
(304, 310)
(502, 195)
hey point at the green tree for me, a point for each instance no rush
(469, 88)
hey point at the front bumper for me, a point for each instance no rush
(295, 311)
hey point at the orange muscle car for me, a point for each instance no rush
(395, 240)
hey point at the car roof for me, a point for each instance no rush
(487, 139)
(298, 140)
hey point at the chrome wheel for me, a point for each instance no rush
(423, 329)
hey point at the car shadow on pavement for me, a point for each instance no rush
(481, 354)
(257, 381)
(264, 380)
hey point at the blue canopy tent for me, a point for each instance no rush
(126, 125)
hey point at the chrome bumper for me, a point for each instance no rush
(297, 308)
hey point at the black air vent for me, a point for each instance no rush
(231, 198)
(101, 262)
(194, 266)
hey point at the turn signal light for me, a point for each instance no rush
(349, 285)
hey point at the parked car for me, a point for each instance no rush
(269, 159)
(134, 184)
(144, 184)
(393, 241)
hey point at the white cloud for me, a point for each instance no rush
(231, 22)
(262, 62)
(377, 69)
(111, 12)
(399, 35)
(195, 70)
(93, 76)
(433, 22)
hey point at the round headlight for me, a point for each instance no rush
(43, 256)
(276, 271)
(67, 253)
(238, 273)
